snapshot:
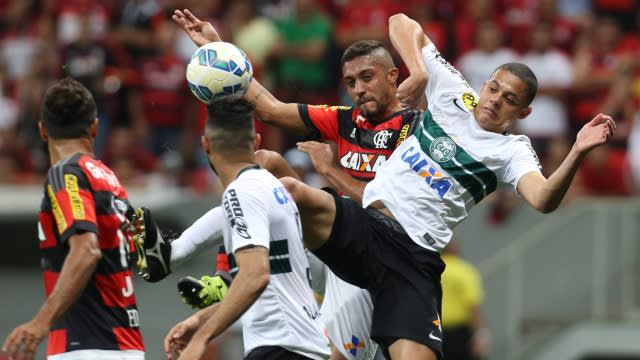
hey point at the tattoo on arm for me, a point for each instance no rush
(259, 94)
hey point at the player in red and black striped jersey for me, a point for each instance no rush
(85, 243)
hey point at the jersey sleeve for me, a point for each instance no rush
(322, 120)
(248, 217)
(443, 77)
(72, 202)
(524, 160)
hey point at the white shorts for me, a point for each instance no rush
(346, 312)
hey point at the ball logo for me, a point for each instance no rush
(442, 149)
(381, 138)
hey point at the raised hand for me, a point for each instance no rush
(322, 155)
(596, 132)
(200, 32)
(411, 90)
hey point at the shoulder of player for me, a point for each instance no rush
(252, 184)
(58, 174)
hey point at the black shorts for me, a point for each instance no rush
(273, 353)
(372, 251)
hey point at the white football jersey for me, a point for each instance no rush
(259, 211)
(449, 164)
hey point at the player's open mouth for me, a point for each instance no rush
(489, 112)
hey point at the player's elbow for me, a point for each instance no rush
(91, 256)
(262, 280)
(398, 18)
(545, 207)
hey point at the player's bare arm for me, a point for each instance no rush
(179, 336)
(408, 39)
(84, 254)
(274, 163)
(249, 283)
(268, 108)
(545, 195)
(324, 160)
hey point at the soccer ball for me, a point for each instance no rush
(218, 69)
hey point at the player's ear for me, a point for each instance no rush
(525, 112)
(393, 75)
(257, 140)
(205, 144)
(43, 132)
(93, 130)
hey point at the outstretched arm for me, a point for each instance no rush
(408, 39)
(323, 157)
(269, 109)
(545, 195)
(206, 232)
(78, 267)
(252, 279)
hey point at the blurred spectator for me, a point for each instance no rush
(19, 40)
(577, 11)
(78, 18)
(605, 173)
(467, 22)
(135, 29)
(624, 11)
(123, 146)
(302, 54)
(365, 19)
(554, 70)
(299, 58)
(30, 90)
(465, 336)
(85, 59)
(602, 68)
(255, 35)
(424, 13)
(165, 112)
(301, 164)
(477, 64)
(524, 15)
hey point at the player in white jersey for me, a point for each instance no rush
(428, 185)
(263, 238)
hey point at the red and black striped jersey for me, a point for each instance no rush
(83, 195)
(362, 145)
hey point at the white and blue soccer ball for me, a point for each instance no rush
(218, 69)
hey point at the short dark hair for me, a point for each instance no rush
(230, 121)
(68, 110)
(361, 48)
(524, 73)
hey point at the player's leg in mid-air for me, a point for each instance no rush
(317, 211)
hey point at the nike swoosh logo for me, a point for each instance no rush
(431, 336)
(455, 102)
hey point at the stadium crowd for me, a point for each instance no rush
(586, 54)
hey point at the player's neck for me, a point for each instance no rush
(394, 107)
(60, 149)
(230, 166)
